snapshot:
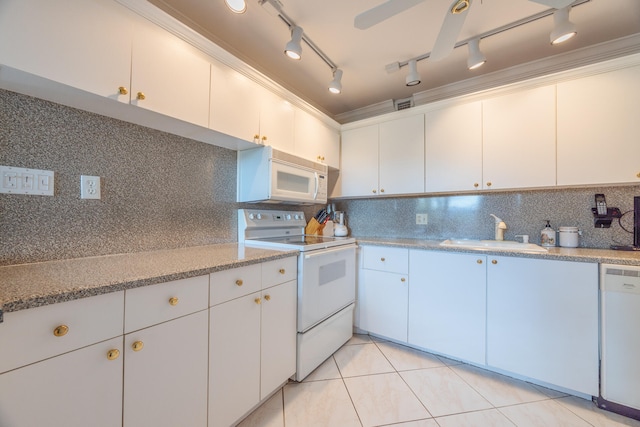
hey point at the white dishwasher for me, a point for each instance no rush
(620, 329)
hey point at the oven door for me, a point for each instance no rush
(326, 283)
(291, 183)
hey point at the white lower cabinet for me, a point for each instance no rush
(383, 292)
(447, 303)
(77, 389)
(165, 373)
(542, 320)
(252, 343)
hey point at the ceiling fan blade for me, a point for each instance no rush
(556, 4)
(448, 36)
(383, 11)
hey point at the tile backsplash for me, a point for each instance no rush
(161, 191)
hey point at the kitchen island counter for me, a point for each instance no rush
(26, 286)
(564, 254)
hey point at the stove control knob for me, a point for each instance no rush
(288, 217)
(251, 216)
(297, 216)
(259, 216)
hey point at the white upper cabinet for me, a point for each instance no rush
(598, 129)
(453, 148)
(519, 139)
(244, 109)
(57, 41)
(316, 141)
(384, 159)
(402, 156)
(359, 169)
(169, 76)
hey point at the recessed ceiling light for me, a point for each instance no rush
(236, 6)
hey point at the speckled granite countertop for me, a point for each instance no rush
(32, 285)
(605, 256)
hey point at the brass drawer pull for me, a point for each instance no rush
(173, 300)
(123, 90)
(267, 297)
(113, 354)
(137, 346)
(258, 301)
(239, 282)
(61, 331)
(495, 261)
(403, 279)
(479, 261)
(281, 271)
(141, 96)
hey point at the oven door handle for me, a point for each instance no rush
(329, 251)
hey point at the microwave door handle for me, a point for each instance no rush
(315, 194)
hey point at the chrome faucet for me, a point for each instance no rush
(500, 226)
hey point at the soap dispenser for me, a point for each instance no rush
(548, 235)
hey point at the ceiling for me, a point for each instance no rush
(258, 38)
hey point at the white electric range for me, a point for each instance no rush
(326, 280)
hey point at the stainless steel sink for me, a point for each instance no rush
(493, 245)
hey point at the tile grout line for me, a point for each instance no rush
(347, 389)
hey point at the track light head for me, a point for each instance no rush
(293, 49)
(236, 6)
(413, 78)
(336, 84)
(563, 29)
(476, 58)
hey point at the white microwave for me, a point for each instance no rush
(271, 176)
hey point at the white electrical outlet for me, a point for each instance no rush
(89, 187)
(26, 181)
(421, 219)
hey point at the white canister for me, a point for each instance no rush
(569, 237)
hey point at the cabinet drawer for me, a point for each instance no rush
(230, 284)
(279, 271)
(150, 305)
(382, 258)
(28, 336)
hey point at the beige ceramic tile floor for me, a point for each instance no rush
(370, 382)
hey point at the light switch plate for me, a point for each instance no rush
(14, 180)
(421, 219)
(89, 187)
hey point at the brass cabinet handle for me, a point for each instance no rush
(489, 184)
(479, 261)
(61, 331)
(141, 96)
(257, 300)
(264, 138)
(382, 259)
(638, 174)
(403, 279)
(382, 190)
(256, 136)
(113, 354)
(123, 90)
(321, 158)
(281, 271)
(173, 300)
(374, 191)
(476, 185)
(267, 297)
(495, 261)
(239, 282)
(137, 346)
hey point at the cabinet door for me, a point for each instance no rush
(234, 359)
(173, 76)
(316, 141)
(453, 148)
(447, 304)
(77, 389)
(382, 300)
(278, 332)
(235, 105)
(519, 139)
(542, 320)
(402, 156)
(276, 121)
(598, 129)
(165, 381)
(359, 156)
(84, 44)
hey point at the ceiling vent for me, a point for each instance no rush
(403, 104)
